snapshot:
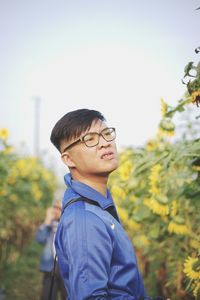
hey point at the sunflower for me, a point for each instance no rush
(174, 208)
(154, 190)
(163, 107)
(154, 178)
(195, 244)
(36, 191)
(151, 145)
(195, 97)
(133, 226)
(166, 127)
(4, 133)
(125, 170)
(13, 198)
(196, 168)
(132, 198)
(141, 241)
(192, 268)
(157, 208)
(178, 226)
(122, 214)
(156, 169)
(130, 224)
(8, 150)
(118, 192)
(196, 289)
(3, 192)
(168, 133)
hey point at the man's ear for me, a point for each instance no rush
(67, 159)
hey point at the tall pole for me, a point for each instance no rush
(37, 101)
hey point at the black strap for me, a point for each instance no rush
(113, 212)
(52, 278)
(110, 209)
(79, 199)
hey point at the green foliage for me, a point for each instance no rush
(157, 189)
(15, 276)
(26, 189)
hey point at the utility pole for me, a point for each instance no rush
(36, 135)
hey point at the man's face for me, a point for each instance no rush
(99, 160)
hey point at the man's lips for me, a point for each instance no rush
(107, 155)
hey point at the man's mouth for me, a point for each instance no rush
(107, 155)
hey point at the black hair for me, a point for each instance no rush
(72, 124)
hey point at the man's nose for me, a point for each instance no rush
(103, 142)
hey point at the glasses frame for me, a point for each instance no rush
(80, 140)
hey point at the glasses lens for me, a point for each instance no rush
(109, 134)
(91, 139)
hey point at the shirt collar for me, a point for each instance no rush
(77, 188)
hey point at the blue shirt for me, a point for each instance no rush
(95, 256)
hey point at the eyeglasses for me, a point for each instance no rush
(91, 139)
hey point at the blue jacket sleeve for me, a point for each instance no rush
(84, 249)
(42, 234)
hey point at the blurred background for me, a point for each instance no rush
(113, 56)
(119, 57)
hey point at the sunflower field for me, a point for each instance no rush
(157, 191)
(26, 189)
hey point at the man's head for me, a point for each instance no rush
(86, 143)
(72, 124)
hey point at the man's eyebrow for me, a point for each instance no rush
(96, 131)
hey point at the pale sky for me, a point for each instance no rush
(116, 56)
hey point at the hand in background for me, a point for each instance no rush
(49, 216)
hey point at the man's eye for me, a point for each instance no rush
(89, 137)
(108, 133)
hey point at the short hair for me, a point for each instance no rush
(72, 124)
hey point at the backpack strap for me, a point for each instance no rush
(110, 209)
(80, 199)
(52, 277)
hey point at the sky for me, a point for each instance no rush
(116, 56)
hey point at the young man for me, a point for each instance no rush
(95, 256)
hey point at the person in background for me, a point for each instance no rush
(95, 256)
(45, 236)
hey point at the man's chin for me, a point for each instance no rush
(109, 170)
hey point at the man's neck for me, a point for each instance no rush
(98, 183)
